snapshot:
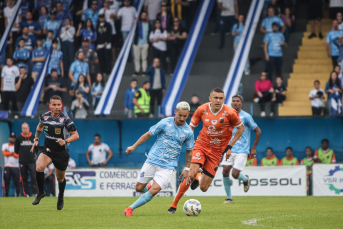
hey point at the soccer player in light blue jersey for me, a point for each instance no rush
(172, 133)
(241, 150)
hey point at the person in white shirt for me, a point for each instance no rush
(9, 85)
(128, 15)
(316, 96)
(71, 164)
(49, 177)
(11, 165)
(109, 17)
(158, 38)
(8, 12)
(99, 151)
(229, 12)
(67, 37)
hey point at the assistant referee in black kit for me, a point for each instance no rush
(59, 131)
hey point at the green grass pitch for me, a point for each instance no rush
(246, 212)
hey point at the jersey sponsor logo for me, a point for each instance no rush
(186, 131)
(215, 141)
(215, 133)
(214, 122)
(61, 119)
(211, 128)
(142, 174)
(221, 120)
(84, 180)
(168, 133)
(58, 130)
(171, 144)
(168, 124)
(207, 120)
(182, 137)
(45, 117)
(197, 156)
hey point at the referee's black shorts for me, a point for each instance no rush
(59, 159)
(315, 11)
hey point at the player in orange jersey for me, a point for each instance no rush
(218, 123)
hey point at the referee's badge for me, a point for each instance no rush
(61, 119)
(57, 130)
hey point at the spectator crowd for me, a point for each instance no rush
(85, 37)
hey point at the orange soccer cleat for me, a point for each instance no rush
(128, 212)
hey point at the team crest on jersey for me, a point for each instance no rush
(58, 131)
(214, 122)
(182, 137)
(61, 119)
(45, 117)
(45, 128)
(221, 120)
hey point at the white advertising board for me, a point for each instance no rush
(264, 181)
(327, 180)
(107, 182)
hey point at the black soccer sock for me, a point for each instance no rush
(61, 187)
(40, 181)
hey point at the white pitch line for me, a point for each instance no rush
(253, 222)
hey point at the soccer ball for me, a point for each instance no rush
(192, 207)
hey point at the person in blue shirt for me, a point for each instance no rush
(331, 48)
(273, 43)
(334, 91)
(34, 28)
(172, 133)
(236, 32)
(241, 150)
(56, 59)
(129, 96)
(78, 67)
(92, 13)
(267, 23)
(51, 24)
(82, 86)
(48, 42)
(30, 41)
(60, 13)
(25, 6)
(38, 58)
(22, 55)
(87, 32)
(44, 16)
(97, 89)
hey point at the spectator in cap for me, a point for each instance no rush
(165, 17)
(104, 34)
(91, 57)
(11, 165)
(51, 24)
(92, 13)
(87, 32)
(67, 37)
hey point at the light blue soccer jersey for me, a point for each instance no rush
(274, 43)
(166, 151)
(267, 23)
(332, 35)
(243, 143)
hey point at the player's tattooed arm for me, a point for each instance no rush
(188, 158)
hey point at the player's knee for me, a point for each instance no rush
(204, 188)
(235, 174)
(40, 168)
(60, 179)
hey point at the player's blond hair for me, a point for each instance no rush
(183, 106)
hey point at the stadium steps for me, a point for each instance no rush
(311, 64)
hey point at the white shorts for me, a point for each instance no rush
(160, 175)
(236, 160)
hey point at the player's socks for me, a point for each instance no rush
(142, 200)
(146, 188)
(40, 181)
(227, 187)
(242, 177)
(61, 188)
(182, 189)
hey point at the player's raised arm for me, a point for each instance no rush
(140, 141)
